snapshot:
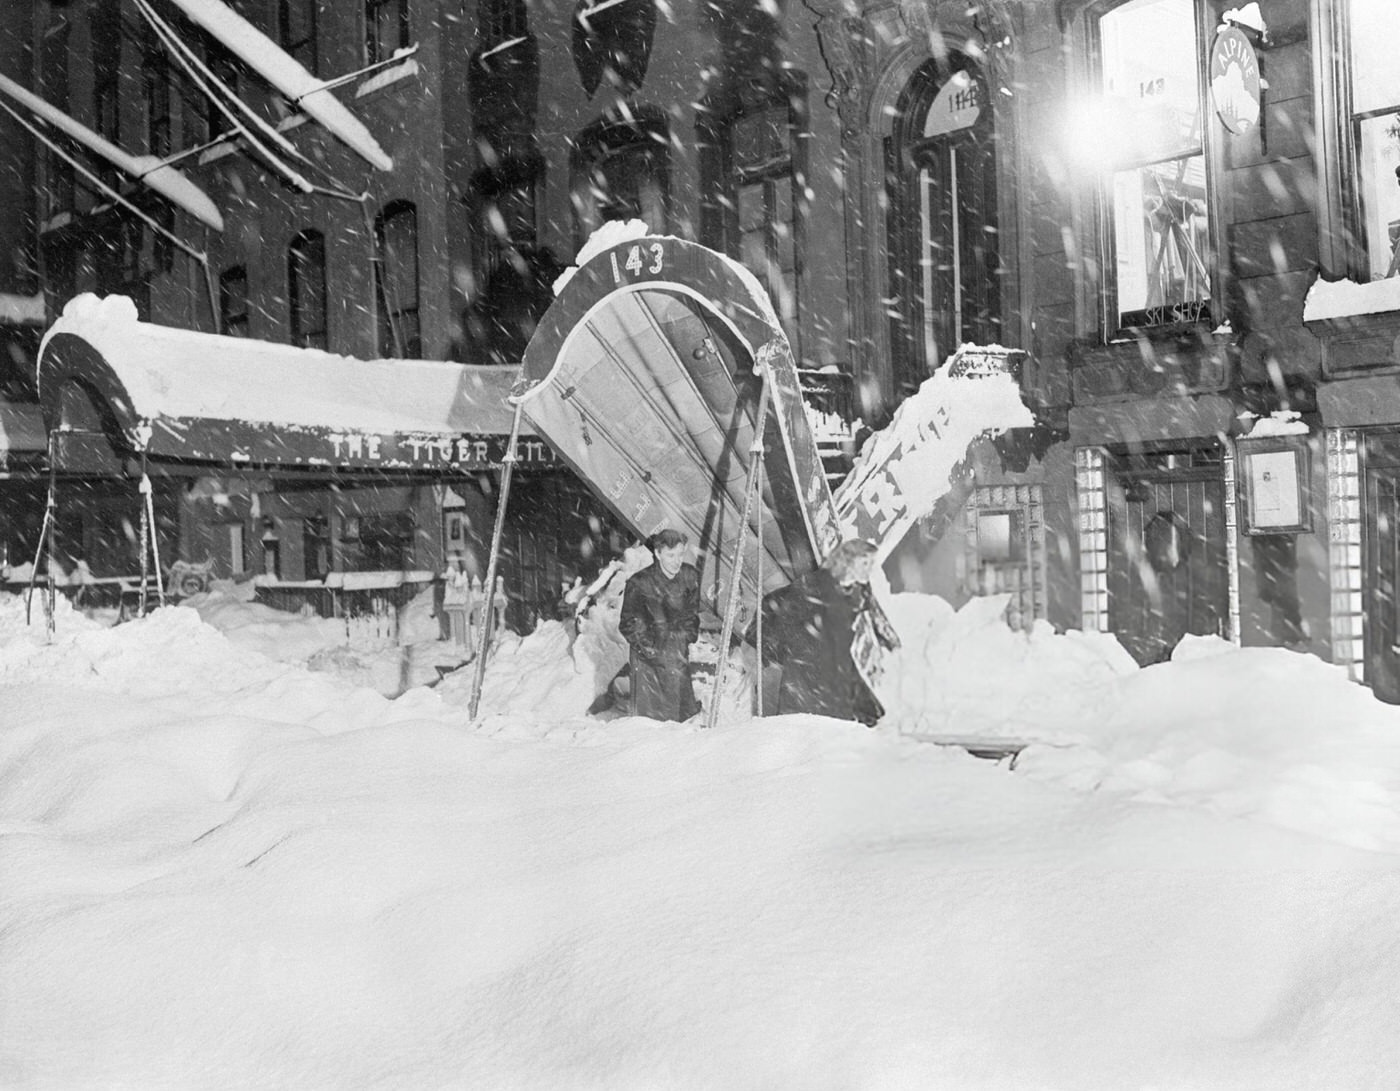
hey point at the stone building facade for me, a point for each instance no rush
(1182, 211)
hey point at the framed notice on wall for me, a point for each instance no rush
(1274, 474)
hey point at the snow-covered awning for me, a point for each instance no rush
(179, 394)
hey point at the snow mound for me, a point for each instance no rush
(966, 673)
(1261, 733)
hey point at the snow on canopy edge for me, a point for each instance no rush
(617, 232)
(187, 374)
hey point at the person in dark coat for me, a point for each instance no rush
(660, 619)
(810, 627)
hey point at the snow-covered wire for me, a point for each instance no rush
(104, 187)
(221, 95)
(207, 81)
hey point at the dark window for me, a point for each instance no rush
(622, 172)
(502, 20)
(754, 177)
(306, 289)
(316, 547)
(396, 281)
(512, 274)
(54, 59)
(155, 74)
(379, 542)
(225, 68)
(296, 30)
(386, 29)
(941, 219)
(233, 302)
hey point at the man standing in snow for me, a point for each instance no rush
(660, 620)
(815, 627)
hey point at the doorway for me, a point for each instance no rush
(1168, 567)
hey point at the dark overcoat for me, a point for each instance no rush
(660, 620)
(808, 627)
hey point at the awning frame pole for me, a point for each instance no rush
(756, 451)
(758, 613)
(46, 529)
(488, 590)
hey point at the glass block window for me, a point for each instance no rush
(1091, 493)
(1345, 530)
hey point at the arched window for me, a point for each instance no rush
(396, 281)
(940, 171)
(621, 171)
(306, 289)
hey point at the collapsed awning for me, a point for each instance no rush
(182, 395)
(645, 376)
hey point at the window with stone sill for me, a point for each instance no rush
(1150, 142)
(1357, 83)
(621, 171)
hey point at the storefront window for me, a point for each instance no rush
(1375, 119)
(1155, 188)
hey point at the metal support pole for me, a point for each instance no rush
(758, 613)
(46, 530)
(145, 535)
(489, 589)
(150, 517)
(732, 608)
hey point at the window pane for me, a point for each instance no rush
(1161, 237)
(1151, 79)
(1378, 152)
(1375, 31)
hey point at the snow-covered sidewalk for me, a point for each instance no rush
(224, 870)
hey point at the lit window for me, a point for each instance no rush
(1375, 127)
(306, 289)
(1155, 190)
(396, 281)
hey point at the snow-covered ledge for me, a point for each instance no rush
(1329, 300)
(1357, 323)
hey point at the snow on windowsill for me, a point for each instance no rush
(407, 70)
(1333, 299)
